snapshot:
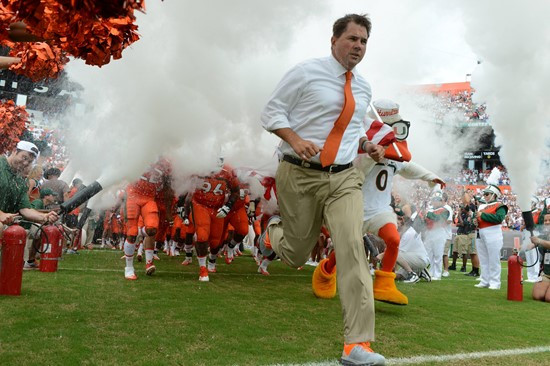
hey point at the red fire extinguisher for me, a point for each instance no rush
(51, 248)
(515, 280)
(13, 248)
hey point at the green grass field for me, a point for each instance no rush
(87, 314)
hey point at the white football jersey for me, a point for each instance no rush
(379, 180)
(377, 188)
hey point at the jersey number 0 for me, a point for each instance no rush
(382, 180)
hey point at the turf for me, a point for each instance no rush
(87, 314)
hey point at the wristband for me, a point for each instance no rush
(364, 145)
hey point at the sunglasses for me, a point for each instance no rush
(401, 129)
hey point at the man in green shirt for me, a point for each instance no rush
(14, 199)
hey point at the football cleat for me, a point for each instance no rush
(263, 271)
(150, 269)
(203, 274)
(187, 261)
(139, 257)
(156, 257)
(129, 274)
(211, 268)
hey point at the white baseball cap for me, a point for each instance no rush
(28, 146)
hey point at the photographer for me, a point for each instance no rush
(466, 236)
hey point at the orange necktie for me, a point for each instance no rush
(335, 136)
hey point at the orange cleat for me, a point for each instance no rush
(129, 274)
(203, 274)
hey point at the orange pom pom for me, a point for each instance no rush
(13, 120)
(38, 60)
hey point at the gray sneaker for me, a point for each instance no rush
(361, 355)
(412, 278)
(266, 249)
(30, 266)
(425, 275)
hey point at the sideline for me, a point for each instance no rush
(442, 358)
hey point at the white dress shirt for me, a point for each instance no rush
(309, 99)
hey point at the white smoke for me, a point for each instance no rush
(196, 82)
(513, 42)
(193, 86)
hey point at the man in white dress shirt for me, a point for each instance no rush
(316, 181)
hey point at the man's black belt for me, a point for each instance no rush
(334, 168)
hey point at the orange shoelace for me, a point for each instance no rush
(364, 345)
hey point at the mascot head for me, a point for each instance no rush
(388, 111)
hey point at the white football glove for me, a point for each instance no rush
(251, 209)
(222, 212)
(186, 221)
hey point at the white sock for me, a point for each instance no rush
(265, 263)
(129, 250)
(148, 256)
(212, 257)
(140, 249)
(202, 261)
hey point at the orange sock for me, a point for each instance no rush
(331, 263)
(390, 235)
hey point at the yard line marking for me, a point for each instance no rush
(441, 358)
(193, 273)
(466, 356)
(241, 274)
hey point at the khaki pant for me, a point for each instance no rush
(307, 198)
(465, 243)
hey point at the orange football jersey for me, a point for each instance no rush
(212, 193)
